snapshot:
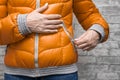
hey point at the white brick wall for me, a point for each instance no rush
(2, 51)
(102, 63)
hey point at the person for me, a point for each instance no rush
(39, 37)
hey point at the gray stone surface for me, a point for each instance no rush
(102, 63)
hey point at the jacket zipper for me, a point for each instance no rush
(36, 46)
(69, 36)
(36, 41)
(36, 50)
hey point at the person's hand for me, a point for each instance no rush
(43, 23)
(88, 40)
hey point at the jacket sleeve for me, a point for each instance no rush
(9, 32)
(88, 15)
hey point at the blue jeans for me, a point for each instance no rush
(72, 76)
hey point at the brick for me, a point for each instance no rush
(99, 52)
(2, 51)
(1, 67)
(93, 68)
(119, 44)
(2, 46)
(101, 3)
(86, 75)
(107, 76)
(112, 19)
(82, 78)
(114, 2)
(108, 60)
(109, 45)
(86, 59)
(82, 53)
(78, 31)
(115, 52)
(115, 36)
(1, 73)
(1, 78)
(75, 21)
(114, 68)
(106, 79)
(118, 74)
(114, 28)
(110, 10)
(1, 59)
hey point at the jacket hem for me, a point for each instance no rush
(38, 72)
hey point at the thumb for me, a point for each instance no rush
(43, 8)
(80, 37)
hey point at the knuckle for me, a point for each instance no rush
(50, 26)
(60, 21)
(41, 19)
(49, 31)
(44, 22)
(89, 43)
(40, 29)
(44, 16)
(42, 26)
(94, 45)
(55, 26)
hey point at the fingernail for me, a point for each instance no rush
(60, 15)
(75, 39)
(61, 24)
(56, 30)
(62, 21)
(46, 4)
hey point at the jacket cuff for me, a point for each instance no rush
(98, 28)
(24, 30)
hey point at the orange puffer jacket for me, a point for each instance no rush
(49, 49)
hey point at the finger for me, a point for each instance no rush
(80, 41)
(53, 22)
(53, 27)
(82, 46)
(53, 16)
(81, 37)
(50, 31)
(43, 8)
(88, 48)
